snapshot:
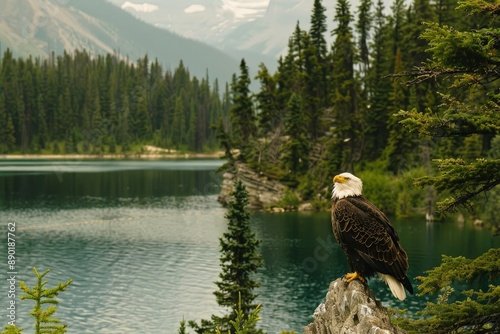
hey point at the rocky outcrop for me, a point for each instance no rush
(263, 192)
(351, 308)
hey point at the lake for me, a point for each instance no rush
(140, 239)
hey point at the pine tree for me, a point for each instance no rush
(243, 119)
(239, 256)
(320, 65)
(182, 328)
(192, 131)
(398, 23)
(124, 137)
(459, 310)
(318, 29)
(269, 116)
(51, 97)
(141, 123)
(214, 114)
(400, 148)
(469, 59)
(97, 122)
(12, 99)
(380, 86)
(224, 140)
(42, 131)
(178, 123)
(345, 92)
(239, 261)
(27, 105)
(10, 139)
(45, 322)
(296, 149)
(415, 52)
(3, 126)
(314, 94)
(363, 27)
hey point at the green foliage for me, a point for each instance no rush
(393, 195)
(460, 49)
(268, 115)
(296, 148)
(463, 181)
(239, 261)
(345, 93)
(45, 322)
(469, 60)
(182, 327)
(381, 61)
(460, 308)
(110, 102)
(308, 186)
(381, 189)
(12, 329)
(244, 323)
(411, 200)
(290, 200)
(243, 119)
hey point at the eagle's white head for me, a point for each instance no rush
(345, 185)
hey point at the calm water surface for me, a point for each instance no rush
(140, 239)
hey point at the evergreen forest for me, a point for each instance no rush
(381, 98)
(75, 103)
(398, 96)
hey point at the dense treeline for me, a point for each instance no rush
(75, 103)
(329, 108)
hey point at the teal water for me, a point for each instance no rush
(140, 239)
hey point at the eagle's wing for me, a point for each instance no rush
(364, 228)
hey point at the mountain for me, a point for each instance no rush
(258, 27)
(38, 27)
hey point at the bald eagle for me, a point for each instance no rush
(367, 237)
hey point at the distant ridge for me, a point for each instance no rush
(38, 27)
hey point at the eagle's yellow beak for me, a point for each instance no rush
(339, 179)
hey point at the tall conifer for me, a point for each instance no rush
(239, 261)
(296, 149)
(269, 115)
(382, 63)
(243, 119)
(345, 92)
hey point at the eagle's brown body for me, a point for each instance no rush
(367, 237)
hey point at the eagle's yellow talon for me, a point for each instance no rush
(349, 277)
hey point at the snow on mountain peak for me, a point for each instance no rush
(140, 7)
(246, 9)
(194, 9)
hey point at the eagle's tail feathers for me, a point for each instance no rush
(396, 287)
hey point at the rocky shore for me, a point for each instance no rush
(351, 308)
(264, 193)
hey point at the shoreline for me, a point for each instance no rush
(146, 156)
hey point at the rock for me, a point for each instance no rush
(262, 191)
(277, 210)
(306, 207)
(351, 308)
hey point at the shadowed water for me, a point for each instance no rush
(140, 239)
